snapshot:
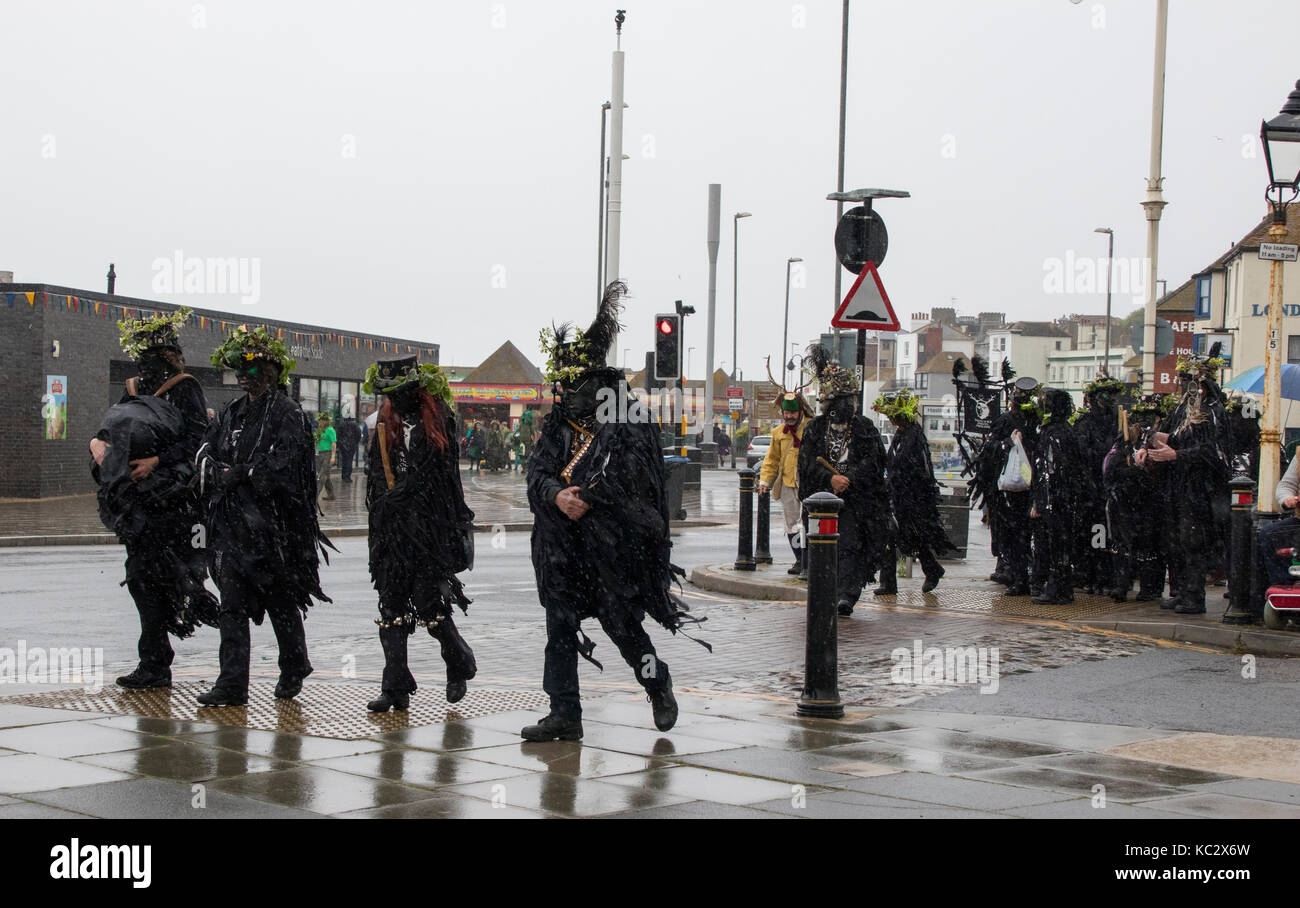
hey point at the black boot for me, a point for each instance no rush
(798, 555)
(289, 686)
(664, 705)
(458, 657)
(219, 697)
(932, 579)
(389, 700)
(144, 678)
(553, 728)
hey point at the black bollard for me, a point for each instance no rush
(1243, 543)
(762, 554)
(821, 691)
(745, 551)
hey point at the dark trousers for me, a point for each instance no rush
(346, 458)
(1052, 554)
(238, 601)
(156, 594)
(889, 567)
(854, 569)
(456, 653)
(560, 674)
(1016, 536)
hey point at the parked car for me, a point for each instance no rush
(757, 450)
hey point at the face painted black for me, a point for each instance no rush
(840, 410)
(582, 398)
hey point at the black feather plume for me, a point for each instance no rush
(980, 367)
(958, 369)
(1008, 373)
(605, 327)
(1215, 349)
(816, 358)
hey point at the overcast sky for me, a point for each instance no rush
(430, 170)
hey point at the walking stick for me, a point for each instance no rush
(383, 454)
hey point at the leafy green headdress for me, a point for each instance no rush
(390, 375)
(138, 335)
(245, 345)
(901, 407)
(1203, 368)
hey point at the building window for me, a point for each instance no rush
(1293, 350)
(309, 395)
(922, 381)
(1203, 297)
(1058, 345)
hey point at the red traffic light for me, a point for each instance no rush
(666, 325)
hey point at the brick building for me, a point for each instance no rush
(63, 341)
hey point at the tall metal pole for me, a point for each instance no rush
(839, 180)
(614, 196)
(785, 333)
(1154, 202)
(715, 214)
(1270, 429)
(600, 208)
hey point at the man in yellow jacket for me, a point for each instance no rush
(780, 472)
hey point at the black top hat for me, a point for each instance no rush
(396, 373)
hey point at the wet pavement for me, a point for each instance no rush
(728, 757)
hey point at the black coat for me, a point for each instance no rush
(421, 530)
(865, 518)
(616, 560)
(1198, 491)
(258, 466)
(914, 494)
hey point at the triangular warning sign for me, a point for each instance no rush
(866, 306)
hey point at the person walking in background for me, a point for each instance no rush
(780, 470)
(326, 445)
(475, 448)
(349, 437)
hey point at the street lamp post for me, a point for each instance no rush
(735, 310)
(1110, 266)
(785, 334)
(1154, 202)
(1280, 137)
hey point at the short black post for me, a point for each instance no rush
(762, 555)
(821, 691)
(1241, 607)
(745, 551)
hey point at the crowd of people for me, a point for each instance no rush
(1125, 490)
(233, 496)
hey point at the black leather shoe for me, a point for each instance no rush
(456, 689)
(793, 570)
(1017, 589)
(287, 689)
(884, 591)
(845, 608)
(1170, 603)
(664, 705)
(1189, 608)
(553, 728)
(932, 581)
(144, 679)
(219, 697)
(386, 701)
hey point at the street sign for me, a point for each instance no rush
(735, 392)
(867, 306)
(735, 404)
(1279, 252)
(860, 237)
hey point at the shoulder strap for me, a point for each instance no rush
(167, 385)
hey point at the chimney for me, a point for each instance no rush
(6, 277)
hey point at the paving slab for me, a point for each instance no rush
(914, 759)
(1239, 755)
(448, 736)
(444, 806)
(965, 742)
(1136, 770)
(420, 768)
(280, 745)
(318, 790)
(695, 783)
(184, 762)
(570, 758)
(1087, 736)
(31, 772)
(568, 796)
(850, 805)
(1073, 783)
(701, 810)
(1224, 806)
(1259, 789)
(802, 767)
(152, 799)
(955, 792)
(73, 739)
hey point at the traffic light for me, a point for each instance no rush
(668, 346)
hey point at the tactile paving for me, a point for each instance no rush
(322, 710)
(990, 602)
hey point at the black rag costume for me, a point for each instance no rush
(1008, 512)
(161, 414)
(612, 563)
(421, 530)
(852, 445)
(1056, 491)
(258, 474)
(1095, 432)
(1135, 509)
(914, 495)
